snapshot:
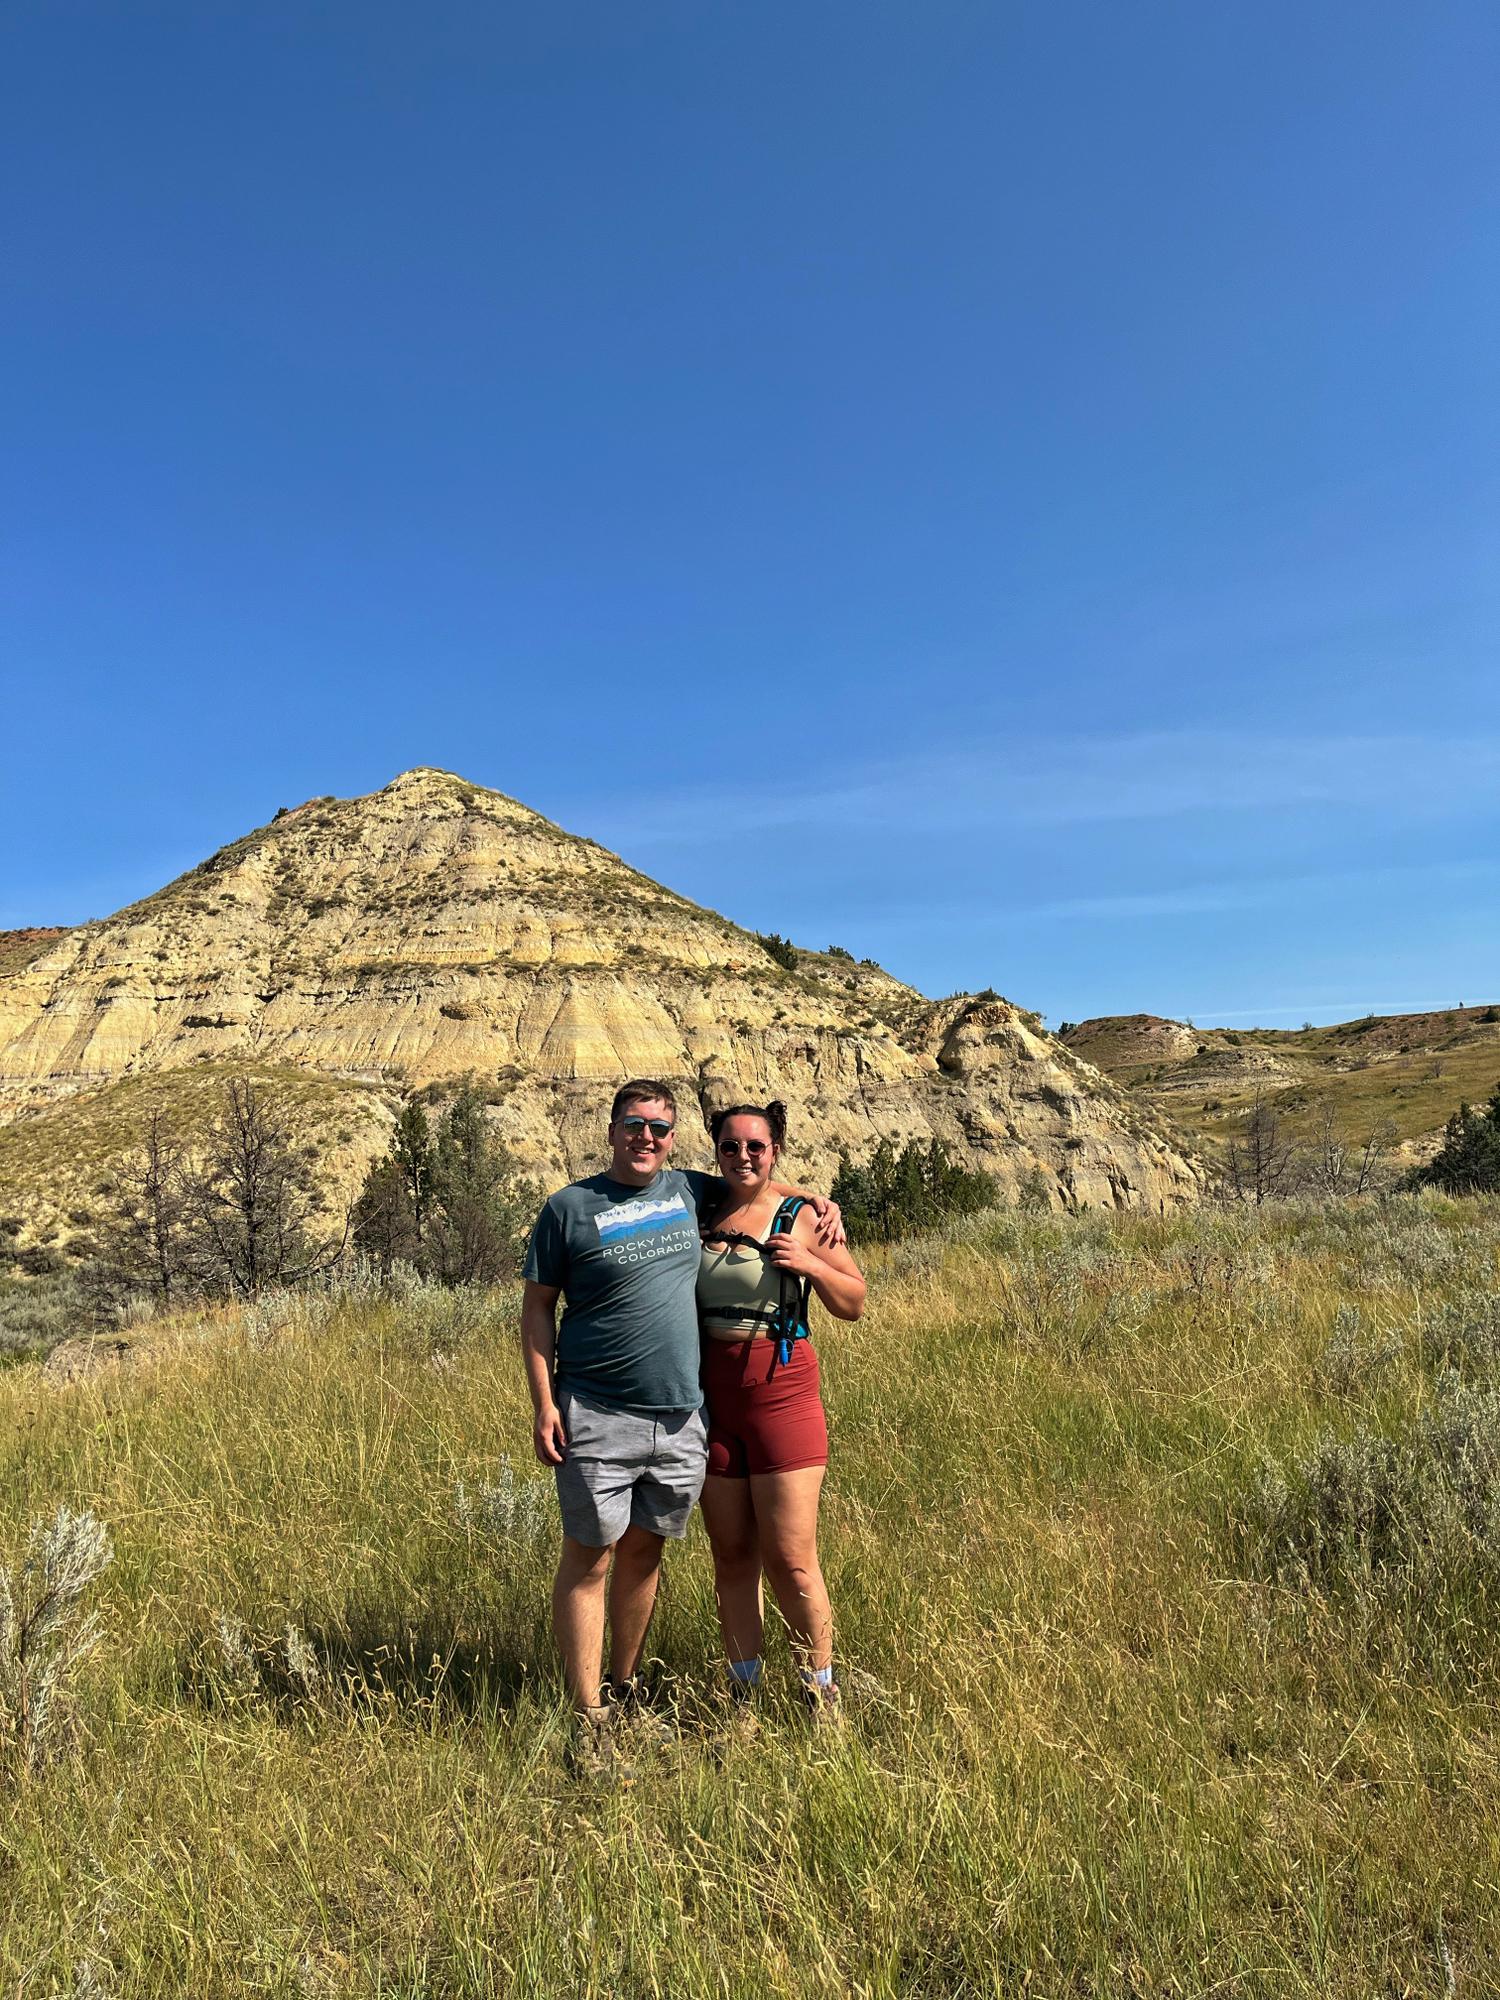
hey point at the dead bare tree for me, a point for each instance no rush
(1337, 1168)
(1376, 1146)
(251, 1201)
(1329, 1168)
(1260, 1161)
(144, 1240)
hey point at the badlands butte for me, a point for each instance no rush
(355, 951)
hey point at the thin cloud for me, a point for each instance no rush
(1059, 781)
(1275, 892)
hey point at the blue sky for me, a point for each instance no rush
(1011, 490)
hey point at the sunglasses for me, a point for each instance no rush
(754, 1147)
(659, 1128)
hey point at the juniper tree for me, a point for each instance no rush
(893, 1194)
(412, 1155)
(477, 1214)
(384, 1224)
(1468, 1161)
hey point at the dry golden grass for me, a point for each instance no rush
(1088, 1751)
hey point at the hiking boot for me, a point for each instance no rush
(736, 1720)
(632, 1708)
(594, 1751)
(743, 1725)
(824, 1705)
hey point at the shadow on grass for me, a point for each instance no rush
(426, 1664)
(369, 1659)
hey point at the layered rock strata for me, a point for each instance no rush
(437, 930)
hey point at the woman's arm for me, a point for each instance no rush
(836, 1278)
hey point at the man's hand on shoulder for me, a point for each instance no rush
(830, 1226)
(830, 1217)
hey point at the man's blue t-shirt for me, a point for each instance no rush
(627, 1261)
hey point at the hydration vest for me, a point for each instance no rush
(787, 1323)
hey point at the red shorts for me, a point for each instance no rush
(763, 1415)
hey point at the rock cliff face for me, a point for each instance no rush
(436, 930)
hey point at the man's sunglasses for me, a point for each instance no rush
(754, 1147)
(659, 1128)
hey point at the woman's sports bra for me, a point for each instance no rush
(738, 1280)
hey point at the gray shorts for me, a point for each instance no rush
(624, 1469)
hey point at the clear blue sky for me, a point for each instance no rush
(1011, 489)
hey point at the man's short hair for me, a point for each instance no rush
(642, 1090)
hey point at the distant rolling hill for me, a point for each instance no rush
(1407, 1070)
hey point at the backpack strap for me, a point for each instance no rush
(790, 1323)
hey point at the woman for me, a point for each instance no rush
(767, 1435)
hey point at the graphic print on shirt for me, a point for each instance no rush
(633, 1232)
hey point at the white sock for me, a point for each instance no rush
(746, 1672)
(821, 1677)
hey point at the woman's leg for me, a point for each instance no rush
(786, 1523)
(730, 1520)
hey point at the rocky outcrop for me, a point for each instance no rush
(436, 930)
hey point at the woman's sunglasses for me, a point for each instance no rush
(754, 1147)
(659, 1128)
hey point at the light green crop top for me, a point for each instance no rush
(735, 1276)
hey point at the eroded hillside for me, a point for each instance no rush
(1401, 1071)
(436, 930)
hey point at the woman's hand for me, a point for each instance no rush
(788, 1253)
(835, 1277)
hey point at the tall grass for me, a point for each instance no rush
(1101, 1738)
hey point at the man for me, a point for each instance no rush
(615, 1390)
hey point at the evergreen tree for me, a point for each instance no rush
(478, 1215)
(385, 1227)
(893, 1194)
(449, 1205)
(1469, 1159)
(411, 1153)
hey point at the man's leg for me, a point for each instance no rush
(578, 1618)
(632, 1598)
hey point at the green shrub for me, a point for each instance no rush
(37, 1313)
(781, 949)
(1469, 1159)
(1410, 1517)
(44, 1634)
(1463, 1333)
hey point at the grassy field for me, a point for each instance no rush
(1103, 1737)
